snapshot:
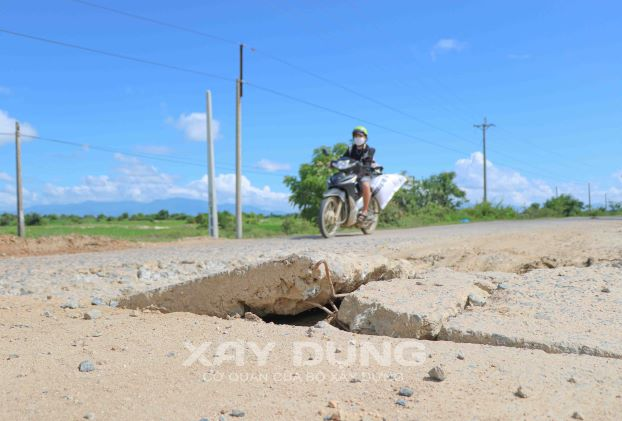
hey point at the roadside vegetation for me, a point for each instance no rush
(434, 200)
(408, 209)
(154, 227)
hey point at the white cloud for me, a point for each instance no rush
(5, 177)
(7, 125)
(446, 45)
(194, 126)
(8, 200)
(154, 149)
(519, 56)
(271, 166)
(4, 90)
(140, 182)
(262, 197)
(504, 185)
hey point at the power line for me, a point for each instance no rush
(327, 80)
(115, 55)
(315, 75)
(89, 146)
(350, 116)
(300, 69)
(274, 58)
(451, 93)
(371, 123)
(157, 22)
(269, 90)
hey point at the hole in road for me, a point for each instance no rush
(306, 318)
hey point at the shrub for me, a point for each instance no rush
(7, 219)
(226, 221)
(487, 210)
(33, 218)
(296, 225)
(565, 205)
(162, 215)
(202, 219)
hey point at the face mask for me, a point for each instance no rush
(359, 141)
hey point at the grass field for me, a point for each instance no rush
(165, 230)
(151, 229)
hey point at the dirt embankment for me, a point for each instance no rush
(12, 246)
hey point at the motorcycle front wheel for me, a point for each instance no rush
(329, 219)
(374, 211)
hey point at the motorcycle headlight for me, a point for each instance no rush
(342, 165)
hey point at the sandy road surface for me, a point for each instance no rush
(143, 364)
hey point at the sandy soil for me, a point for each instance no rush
(13, 246)
(145, 366)
(140, 374)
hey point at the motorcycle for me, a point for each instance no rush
(343, 201)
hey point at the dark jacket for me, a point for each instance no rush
(364, 155)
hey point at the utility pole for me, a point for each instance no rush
(606, 204)
(21, 226)
(238, 148)
(589, 196)
(556, 193)
(484, 126)
(213, 208)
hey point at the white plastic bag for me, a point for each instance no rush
(384, 186)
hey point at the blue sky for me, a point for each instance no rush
(548, 74)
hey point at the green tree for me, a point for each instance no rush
(162, 215)
(308, 187)
(439, 189)
(565, 205)
(33, 218)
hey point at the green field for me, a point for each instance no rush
(157, 230)
(165, 227)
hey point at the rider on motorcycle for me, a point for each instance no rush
(361, 151)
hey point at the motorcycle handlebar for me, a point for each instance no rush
(374, 170)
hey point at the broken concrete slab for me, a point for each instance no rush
(412, 308)
(286, 286)
(559, 310)
(481, 387)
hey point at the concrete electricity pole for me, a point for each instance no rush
(589, 196)
(484, 126)
(213, 207)
(238, 148)
(21, 226)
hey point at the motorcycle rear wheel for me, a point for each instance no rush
(328, 218)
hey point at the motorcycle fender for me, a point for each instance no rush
(336, 193)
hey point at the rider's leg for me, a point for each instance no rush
(366, 196)
(365, 190)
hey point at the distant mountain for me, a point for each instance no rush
(175, 205)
